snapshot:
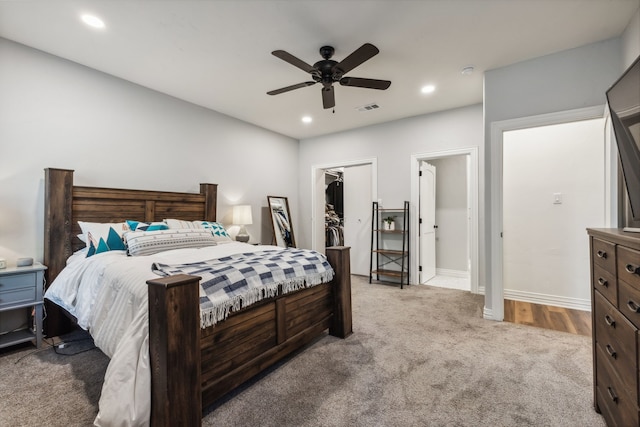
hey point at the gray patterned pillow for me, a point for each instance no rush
(152, 242)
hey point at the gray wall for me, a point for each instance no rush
(392, 144)
(56, 113)
(452, 215)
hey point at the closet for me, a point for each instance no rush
(334, 208)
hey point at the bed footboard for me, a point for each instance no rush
(191, 367)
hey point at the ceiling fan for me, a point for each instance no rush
(328, 71)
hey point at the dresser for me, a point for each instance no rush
(20, 291)
(615, 308)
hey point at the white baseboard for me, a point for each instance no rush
(545, 299)
(452, 273)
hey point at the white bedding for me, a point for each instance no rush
(107, 293)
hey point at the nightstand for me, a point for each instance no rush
(21, 288)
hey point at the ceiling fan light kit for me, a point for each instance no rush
(327, 72)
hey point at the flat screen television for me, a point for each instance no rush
(624, 105)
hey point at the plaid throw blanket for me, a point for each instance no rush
(237, 281)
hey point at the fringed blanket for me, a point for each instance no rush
(237, 281)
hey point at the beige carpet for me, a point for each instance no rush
(421, 356)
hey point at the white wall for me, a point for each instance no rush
(55, 113)
(546, 258)
(567, 80)
(452, 216)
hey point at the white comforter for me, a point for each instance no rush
(107, 293)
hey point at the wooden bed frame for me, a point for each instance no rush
(192, 367)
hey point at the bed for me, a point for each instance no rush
(192, 367)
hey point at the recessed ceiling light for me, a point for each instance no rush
(428, 89)
(92, 21)
(307, 119)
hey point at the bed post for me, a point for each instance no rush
(58, 198)
(210, 193)
(338, 257)
(174, 351)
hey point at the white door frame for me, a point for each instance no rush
(317, 209)
(473, 199)
(496, 310)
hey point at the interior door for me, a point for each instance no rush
(357, 216)
(427, 221)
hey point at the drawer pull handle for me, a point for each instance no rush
(611, 351)
(633, 307)
(601, 254)
(632, 269)
(612, 395)
(609, 321)
(603, 282)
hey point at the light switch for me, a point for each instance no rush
(557, 198)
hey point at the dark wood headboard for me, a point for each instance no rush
(66, 204)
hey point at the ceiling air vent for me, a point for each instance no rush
(368, 107)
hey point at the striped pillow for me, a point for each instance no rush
(217, 229)
(151, 242)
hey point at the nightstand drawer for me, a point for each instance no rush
(17, 296)
(17, 281)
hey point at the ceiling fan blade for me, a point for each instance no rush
(328, 97)
(360, 55)
(366, 83)
(288, 88)
(287, 57)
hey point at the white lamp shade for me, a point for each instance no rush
(242, 215)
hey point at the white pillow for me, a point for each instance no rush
(101, 229)
(151, 242)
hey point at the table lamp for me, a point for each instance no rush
(242, 217)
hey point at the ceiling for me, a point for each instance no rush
(217, 54)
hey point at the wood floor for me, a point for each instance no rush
(548, 317)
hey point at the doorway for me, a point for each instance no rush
(552, 190)
(463, 275)
(358, 190)
(494, 303)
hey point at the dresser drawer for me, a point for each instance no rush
(616, 338)
(17, 281)
(605, 283)
(616, 405)
(629, 266)
(629, 302)
(17, 296)
(604, 255)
